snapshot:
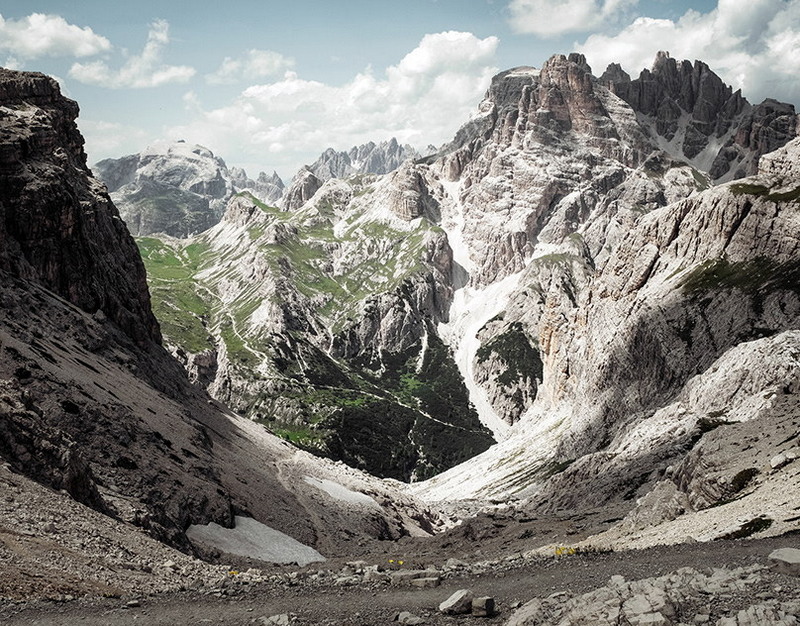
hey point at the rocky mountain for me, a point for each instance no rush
(661, 332)
(93, 408)
(324, 328)
(577, 252)
(178, 189)
(368, 158)
(698, 116)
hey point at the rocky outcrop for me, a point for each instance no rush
(324, 321)
(409, 196)
(302, 188)
(178, 188)
(268, 188)
(58, 227)
(649, 365)
(686, 595)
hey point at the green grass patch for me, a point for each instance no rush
(700, 180)
(748, 189)
(238, 352)
(752, 189)
(761, 274)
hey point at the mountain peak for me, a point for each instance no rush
(368, 158)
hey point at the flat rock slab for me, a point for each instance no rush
(786, 560)
(404, 577)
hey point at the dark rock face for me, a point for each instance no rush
(766, 127)
(681, 97)
(90, 403)
(57, 224)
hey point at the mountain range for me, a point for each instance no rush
(587, 303)
(400, 308)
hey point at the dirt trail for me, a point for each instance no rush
(362, 605)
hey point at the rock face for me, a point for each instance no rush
(628, 319)
(94, 406)
(532, 252)
(322, 318)
(177, 188)
(691, 108)
(302, 188)
(57, 224)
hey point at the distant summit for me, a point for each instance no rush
(178, 188)
(368, 158)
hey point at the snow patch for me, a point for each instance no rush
(251, 538)
(338, 492)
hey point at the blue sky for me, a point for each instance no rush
(269, 85)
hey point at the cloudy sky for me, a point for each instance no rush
(270, 84)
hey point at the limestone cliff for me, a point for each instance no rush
(368, 158)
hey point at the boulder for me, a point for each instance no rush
(483, 606)
(404, 577)
(786, 560)
(459, 603)
(404, 617)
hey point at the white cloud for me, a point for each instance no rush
(105, 139)
(139, 71)
(753, 46)
(253, 65)
(283, 124)
(40, 35)
(548, 18)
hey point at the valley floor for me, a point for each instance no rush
(313, 599)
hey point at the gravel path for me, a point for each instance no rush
(509, 582)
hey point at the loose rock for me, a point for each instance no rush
(457, 604)
(786, 560)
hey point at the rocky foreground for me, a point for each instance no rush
(732, 583)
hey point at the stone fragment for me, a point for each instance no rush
(483, 606)
(404, 617)
(276, 620)
(779, 461)
(426, 582)
(786, 560)
(374, 576)
(457, 604)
